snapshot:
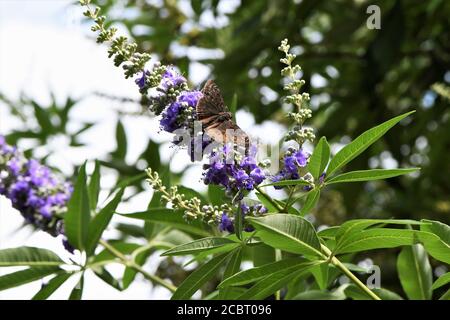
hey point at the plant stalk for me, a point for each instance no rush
(335, 261)
(129, 263)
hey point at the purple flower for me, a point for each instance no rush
(34, 190)
(178, 113)
(233, 175)
(171, 79)
(292, 163)
(142, 79)
(301, 157)
(226, 224)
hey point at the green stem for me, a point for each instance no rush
(349, 274)
(137, 267)
(268, 198)
(278, 258)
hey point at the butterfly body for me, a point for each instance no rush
(216, 119)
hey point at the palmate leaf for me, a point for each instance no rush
(415, 272)
(319, 159)
(76, 220)
(21, 277)
(287, 232)
(28, 256)
(369, 175)
(210, 245)
(199, 277)
(361, 143)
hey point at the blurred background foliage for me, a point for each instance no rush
(357, 78)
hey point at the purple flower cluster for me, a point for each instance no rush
(227, 223)
(225, 169)
(180, 113)
(293, 160)
(37, 193)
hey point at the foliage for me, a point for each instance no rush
(239, 219)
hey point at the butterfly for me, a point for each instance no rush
(217, 120)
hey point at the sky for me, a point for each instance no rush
(44, 48)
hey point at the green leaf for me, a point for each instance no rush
(170, 217)
(232, 268)
(76, 220)
(190, 193)
(287, 232)
(258, 273)
(352, 291)
(369, 175)
(77, 291)
(42, 117)
(415, 272)
(337, 294)
(53, 285)
(378, 238)
(266, 202)
(100, 222)
(319, 159)
(351, 227)
(201, 245)
(127, 182)
(238, 222)
(28, 256)
(446, 295)
(199, 277)
(275, 281)
(94, 186)
(121, 140)
(297, 182)
(311, 200)
(441, 281)
(438, 246)
(107, 277)
(21, 277)
(263, 254)
(361, 143)
(320, 273)
(215, 194)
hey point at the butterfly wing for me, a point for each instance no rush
(211, 103)
(226, 132)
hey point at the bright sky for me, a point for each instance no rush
(43, 48)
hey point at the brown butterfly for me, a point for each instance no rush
(217, 120)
